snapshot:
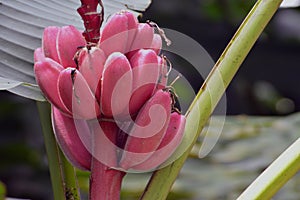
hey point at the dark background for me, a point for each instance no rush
(271, 71)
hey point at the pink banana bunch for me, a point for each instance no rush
(80, 81)
(110, 102)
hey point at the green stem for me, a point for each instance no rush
(52, 151)
(62, 173)
(275, 176)
(211, 92)
(70, 179)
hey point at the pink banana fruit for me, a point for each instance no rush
(76, 94)
(132, 29)
(61, 44)
(145, 71)
(168, 145)
(67, 136)
(49, 42)
(116, 85)
(91, 64)
(46, 73)
(156, 44)
(69, 39)
(38, 55)
(115, 34)
(147, 132)
(143, 39)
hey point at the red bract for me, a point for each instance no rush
(99, 88)
(92, 19)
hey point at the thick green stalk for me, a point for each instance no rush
(275, 176)
(211, 92)
(52, 151)
(62, 173)
(70, 179)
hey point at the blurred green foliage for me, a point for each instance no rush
(231, 10)
(2, 191)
